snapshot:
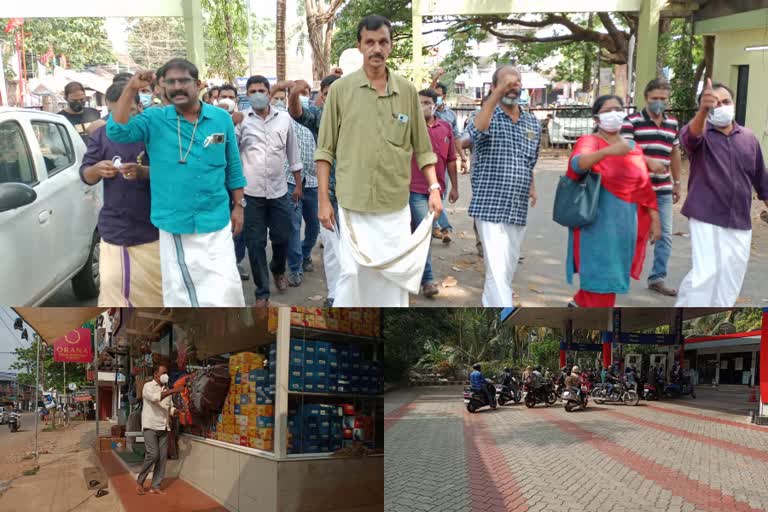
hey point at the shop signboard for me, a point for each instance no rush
(83, 396)
(75, 347)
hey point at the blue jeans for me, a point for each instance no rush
(419, 204)
(307, 210)
(662, 248)
(443, 222)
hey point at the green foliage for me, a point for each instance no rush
(546, 353)
(83, 41)
(52, 372)
(154, 41)
(226, 37)
(684, 53)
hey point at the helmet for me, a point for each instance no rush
(508, 370)
(476, 366)
(575, 369)
(564, 369)
(537, 368)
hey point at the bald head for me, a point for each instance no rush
(504, 70)
(507, 80)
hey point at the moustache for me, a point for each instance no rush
(377, 55)
(178, 93)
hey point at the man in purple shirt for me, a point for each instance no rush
(129, 253)
(441, 135)
(726, 163)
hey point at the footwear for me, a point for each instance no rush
(437, 233)
(261, 303)
(156, 491)
(244, 275)
(281, 282)
(429, 290)
(764, 216)
(446, 236)
(572, 304)
(308, 266)
(328, 303)
(294, 279)
(659, 287)
(140, 490)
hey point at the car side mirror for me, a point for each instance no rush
(15, 195)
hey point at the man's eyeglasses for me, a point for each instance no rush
(179, 81)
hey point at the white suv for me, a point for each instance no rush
(48, 216)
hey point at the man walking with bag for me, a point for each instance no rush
(156, 412)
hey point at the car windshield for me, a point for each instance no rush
(576, 112)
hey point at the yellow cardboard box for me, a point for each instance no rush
(266, 433)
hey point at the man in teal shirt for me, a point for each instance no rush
(196, 176)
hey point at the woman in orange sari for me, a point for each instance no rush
(610, 250)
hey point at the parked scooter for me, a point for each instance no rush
(510, 393)
(14, 421)
(575, 400)
(478, 400)
(650, 391)
(678, 390)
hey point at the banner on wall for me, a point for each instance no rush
(75, 347)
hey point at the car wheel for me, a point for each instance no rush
(85, 284)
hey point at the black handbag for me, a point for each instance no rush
(576, 201)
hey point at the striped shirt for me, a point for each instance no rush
(656, 142)
(307, 149)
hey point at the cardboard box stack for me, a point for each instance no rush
(248, 417)
(324, 367)
(315, 428)
(356, 321)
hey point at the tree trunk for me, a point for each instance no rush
(280, 40)
(320, 60)
(709, 55)
(586, 76)
(230, 44)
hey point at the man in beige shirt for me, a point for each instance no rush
(156, 412)
(372, 125)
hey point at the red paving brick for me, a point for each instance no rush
(180, 497)
(702, 417)
(754, 453)
(396, 415)
(697, 493)
(492, 486)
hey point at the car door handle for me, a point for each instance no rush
(44, 216)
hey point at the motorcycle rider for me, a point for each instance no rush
(537, 377)
(574, 381)
(610, 377)
(506, 379)
(478, 383)
(631, 378)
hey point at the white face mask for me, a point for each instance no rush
(164, 378)
(611, 121)
(227, 104)
(722, 116)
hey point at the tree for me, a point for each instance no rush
(320, 24)
(397, 11)
(52, 372)
(226, 37)
(154, 41)
(83, 41)
(280, 39)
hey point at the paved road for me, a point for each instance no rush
(656, 458)
(540, 280)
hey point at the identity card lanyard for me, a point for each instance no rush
(183, 160)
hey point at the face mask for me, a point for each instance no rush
(259, 100)
(145, 100)
(304, 101)
(76, 106)
(510, 102)
(656, 107)
(227, 104)
(164, 378)
(439, 100)
(722, 116)
(280, 105)
(610, 121)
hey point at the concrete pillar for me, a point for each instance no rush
(193, 31)
(417, 37)
(717, 369)
(647, 46)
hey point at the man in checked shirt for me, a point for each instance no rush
(506, 139)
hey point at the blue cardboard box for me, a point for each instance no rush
(322, 347)
(354, 352)
(295, 383)
(321, 385)
(321, 373)
(265, 421)
(258, 376)
(297, 346)
(310, 348)
(237, 408)
(311, 410)
(297, 358)
(309, 385)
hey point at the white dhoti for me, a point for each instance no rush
(199, 270)
(381, 260)
(501, 246)
(130, 276)
(331, 241)
(720, 258)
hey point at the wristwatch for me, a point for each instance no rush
(242, 202)
(435, 186)
(676, 182)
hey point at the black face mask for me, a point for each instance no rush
(76, 106)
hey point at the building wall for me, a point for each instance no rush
(729, 54)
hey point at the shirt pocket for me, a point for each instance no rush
(215, 155)
(396, 132)
(277, 140)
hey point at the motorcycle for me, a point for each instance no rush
(544, 394)
(478, 400)
(509, 393)
(574, 400)
(650, 391)
(678, 390)
(620, 393)
(14, 422)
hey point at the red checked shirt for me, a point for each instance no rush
(441, 135)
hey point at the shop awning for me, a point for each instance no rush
(52, 323)
(632, 319)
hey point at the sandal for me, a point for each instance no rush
(93, 483)
(140, 490)
(101, 492)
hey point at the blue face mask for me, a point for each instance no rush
(439, 100)
(304, 101)
(259, 100)
(145, 100)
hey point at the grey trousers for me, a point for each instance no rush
(156, 445)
